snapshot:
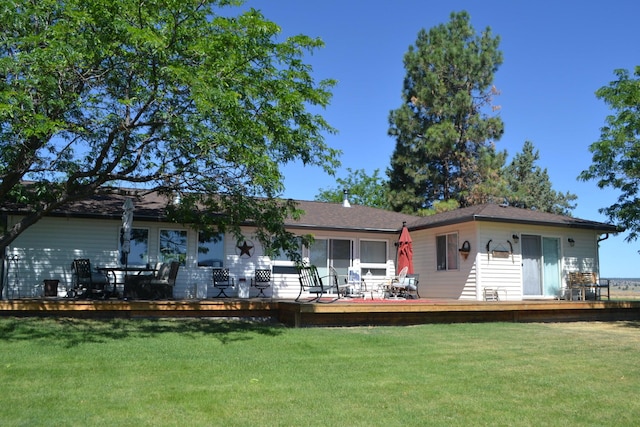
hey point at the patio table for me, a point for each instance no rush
(112, 274)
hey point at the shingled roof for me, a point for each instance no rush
(333, 216)
(508, 214)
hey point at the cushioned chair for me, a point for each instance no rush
(157, 286)
(261, 281)
(397, 285)
(86, 282)
(165, 279)
(222, 281)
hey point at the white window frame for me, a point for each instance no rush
(163, 258)
(450, 253)
(221, 240)
(367, 266)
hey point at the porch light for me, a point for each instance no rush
(515, 238)
(572, 242)
(465, 249)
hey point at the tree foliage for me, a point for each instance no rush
(530, 187)
(172, 96)
(444, 131)
(362, 189)
(616, 155)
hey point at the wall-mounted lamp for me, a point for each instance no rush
(465, 249)
(571, 241)
(515, 238)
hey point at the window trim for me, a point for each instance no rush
(447, 252)
(161, 257)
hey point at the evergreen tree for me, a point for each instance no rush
(444, 134)
(530, 186)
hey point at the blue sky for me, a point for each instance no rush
(556, 55)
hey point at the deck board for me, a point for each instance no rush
(339, 313)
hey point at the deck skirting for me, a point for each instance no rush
(339, 313)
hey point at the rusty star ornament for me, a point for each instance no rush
(246, 249)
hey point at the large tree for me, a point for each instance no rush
(616, 155)
(445, 127)
(530, 186)
(362, 189)
(178, 96)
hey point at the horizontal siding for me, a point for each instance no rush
(47, 249)
(453, 284)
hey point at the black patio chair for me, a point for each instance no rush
(261, 281)
(222, 281)
(85, 282)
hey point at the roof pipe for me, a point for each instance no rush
(345, 201)
(606, 236)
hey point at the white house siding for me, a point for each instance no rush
(501, 274)
(451, 284)
(482, 269)
(47, 249)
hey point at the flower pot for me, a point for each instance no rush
(51, 288)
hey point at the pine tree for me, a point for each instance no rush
(530, 185)
(444, 134)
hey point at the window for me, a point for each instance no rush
(281, 264)
(447, 252)
(331, 253)
(373, 257)
(173, 246)
(139, 249)
(373, 252)
(210, 250)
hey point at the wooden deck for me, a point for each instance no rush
(339, 313)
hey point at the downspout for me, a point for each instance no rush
(600, 239)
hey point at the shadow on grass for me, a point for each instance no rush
(72, 332)
(631, 324)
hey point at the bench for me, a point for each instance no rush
(311, 282)
(582, 281)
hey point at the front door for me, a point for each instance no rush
(540, 265)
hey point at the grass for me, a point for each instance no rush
(203, 372)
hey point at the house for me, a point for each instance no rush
(521, 253)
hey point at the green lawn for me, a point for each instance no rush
(62, 372)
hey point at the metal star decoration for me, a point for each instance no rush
(245, 249)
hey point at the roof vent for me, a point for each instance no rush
(345, 201)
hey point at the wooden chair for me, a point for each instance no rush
(261, 281)
(222, 281)
(311, 282)
(583, 281)
(86, 282)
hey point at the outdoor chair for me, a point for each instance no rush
(86, 282)
(408, 287)
(222, 281)
(397, 284)
(162, 284)
(153, 286)
(261, 281)
(311, 282)
(343, 288)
